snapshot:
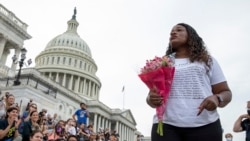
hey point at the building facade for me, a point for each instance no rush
(64, 76)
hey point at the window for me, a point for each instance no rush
(64, 60)
(69, 61)
(75, 63)
(58, 60)
(60, 107)
(53, 58)
(48, 60)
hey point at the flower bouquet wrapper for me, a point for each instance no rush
(160, 80)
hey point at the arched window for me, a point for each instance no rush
(70, 111)
(69, 61)
(64, 60)
(60, 108)
(53, 59)
(58, 60)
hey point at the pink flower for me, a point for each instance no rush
(158, 74)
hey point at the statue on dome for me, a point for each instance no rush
(74, 16)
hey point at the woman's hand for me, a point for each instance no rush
(210, 103)
(244, 116)
(154, 99)
(17, 123)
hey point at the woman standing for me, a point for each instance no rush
(30, 125)
(198, 88)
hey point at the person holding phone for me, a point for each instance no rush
(243, 123)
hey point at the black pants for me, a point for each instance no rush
(210, 132)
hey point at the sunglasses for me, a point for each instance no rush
(34, 107)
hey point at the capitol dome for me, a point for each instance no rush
(67, 60)
(70, 38)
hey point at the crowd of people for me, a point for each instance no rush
(34, 125)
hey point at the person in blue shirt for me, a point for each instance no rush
(82, 114)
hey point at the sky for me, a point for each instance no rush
(123, 34)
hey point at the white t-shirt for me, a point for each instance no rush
(191, 85)
(72, 130)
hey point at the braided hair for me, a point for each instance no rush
(196, 47)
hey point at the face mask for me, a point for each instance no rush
(248, 111)
(229, 139)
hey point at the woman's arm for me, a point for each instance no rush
(220, 98)
(16, 126)
(237, 125)
(222, 90)
(84, 133)
(4, 132)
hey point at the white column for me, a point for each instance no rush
(57, 77)
(93, 89)
(132, 134)
(2, 46)
(109, 125)
(64, 79)
(117, 126)
(121, 132)
(95, 121)
(119, 129)
(103, 119)
(50, 75)
(80, 85)
(96, 91)
(87, 121)
(71, 82)
(5, 54)
(99, 121)
(77, 83)
(129, 134)
(89, 88)
(125, 133)
(106, 123)
(84, 86)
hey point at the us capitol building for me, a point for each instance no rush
(64, 75)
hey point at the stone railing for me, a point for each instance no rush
(33, 78)
(5, 71)
(11, 16)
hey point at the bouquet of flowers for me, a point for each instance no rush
(158, 74)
